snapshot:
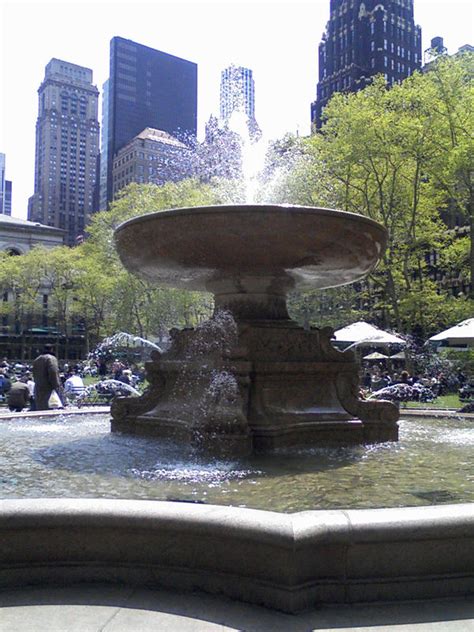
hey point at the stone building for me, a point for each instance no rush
(152, 156)
(67, 149)
(18, 236)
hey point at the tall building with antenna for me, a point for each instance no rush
(361, 40)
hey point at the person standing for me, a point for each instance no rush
(46, 378)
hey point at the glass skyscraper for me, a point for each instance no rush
(146, 88)
(5, 189)
(237, 94)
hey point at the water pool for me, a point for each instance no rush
(77, 456)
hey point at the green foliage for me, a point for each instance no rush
(402, 156)
(461, 359)
(133, 305)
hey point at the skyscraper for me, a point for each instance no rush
(146, 88)
(5, 189)
(237, 94)
(363, 39)
(67, 149)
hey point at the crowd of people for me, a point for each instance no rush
(375, 378)
(45, 384)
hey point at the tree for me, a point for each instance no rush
(133, 304)
(449, 90)
(392, 156)
(21, 282)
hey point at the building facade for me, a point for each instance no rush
(23, 339)
(237, 94)
(5, 189)
(146, 88)
(364, 39)
(67, 149)
(18, 236)
(152, 156)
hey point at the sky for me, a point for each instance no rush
(278, 40)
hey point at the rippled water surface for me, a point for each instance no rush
(77, 456)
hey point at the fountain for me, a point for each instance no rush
(267, 383)
(248, 380)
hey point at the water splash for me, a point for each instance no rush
(105, 390)
(216, 335)
(123, 341)
(252, 155)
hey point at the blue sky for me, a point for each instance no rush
(277, 40)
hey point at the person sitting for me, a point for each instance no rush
(74, 385)
(125, 376)
(18, 396)
(404, 377)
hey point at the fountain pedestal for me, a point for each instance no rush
(277, 386)
(250, 379)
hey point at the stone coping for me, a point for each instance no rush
(54, 412)
(289, 562)
(438, 413)
(71, 410)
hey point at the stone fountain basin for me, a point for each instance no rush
(288, 562)
(307, 247)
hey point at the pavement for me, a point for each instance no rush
(114, 608)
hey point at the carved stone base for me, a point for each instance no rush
(267, 385)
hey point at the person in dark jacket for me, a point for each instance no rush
(18, 396)
(46, 378)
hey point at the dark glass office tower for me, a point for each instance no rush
(146, 88)
(363, 39)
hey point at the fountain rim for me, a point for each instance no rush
(250, 208)
(289, 562)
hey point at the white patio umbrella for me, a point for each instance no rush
(362, 333)
(401, 355)
(375, 356)
(460, 334)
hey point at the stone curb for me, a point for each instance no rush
(289, 562)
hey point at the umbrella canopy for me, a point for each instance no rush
(462, 333)
(363, 333)
(401, 355)
(375, 356)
